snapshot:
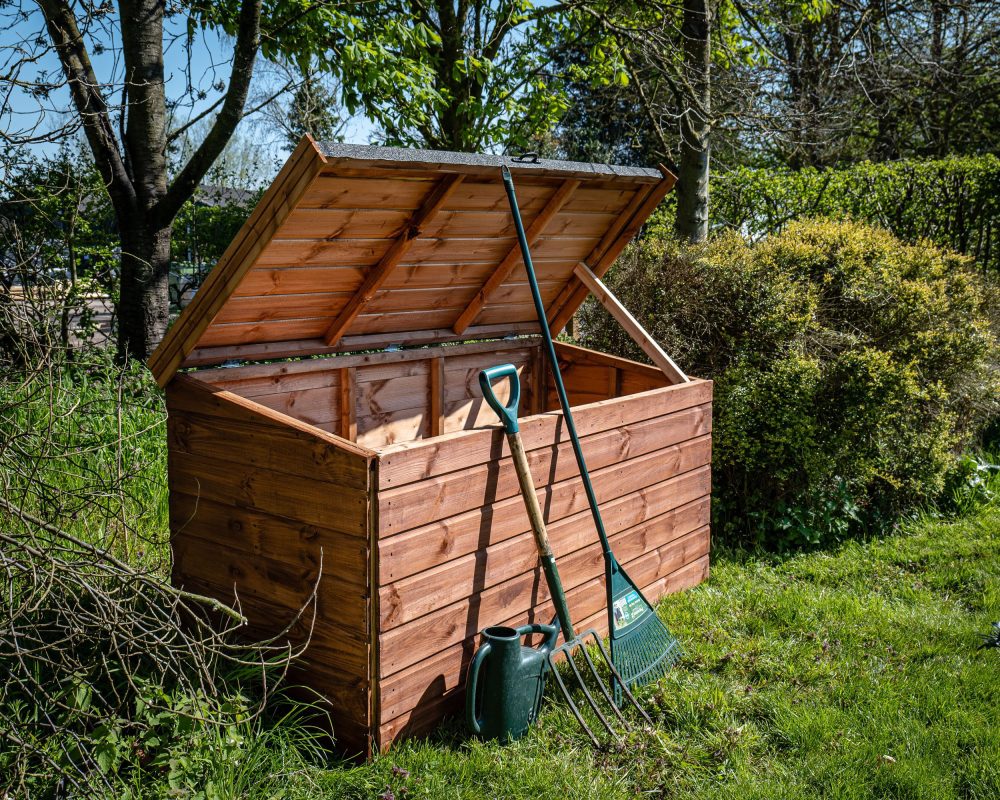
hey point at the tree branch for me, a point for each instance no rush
(247, 44)
(90, 105)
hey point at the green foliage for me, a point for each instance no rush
(202, 230)
(848, 368)
(83, 447)
(953, 202)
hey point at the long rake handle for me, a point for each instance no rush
(550, 350)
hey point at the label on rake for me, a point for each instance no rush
(628, 609)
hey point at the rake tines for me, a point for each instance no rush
(644, 652)
(578, 646)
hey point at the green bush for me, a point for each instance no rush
(849, 368)
(954, 202)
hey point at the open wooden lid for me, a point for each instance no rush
(362, 247)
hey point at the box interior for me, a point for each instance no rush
(387, 398)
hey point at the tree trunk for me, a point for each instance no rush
(144, 307)
(692, 184)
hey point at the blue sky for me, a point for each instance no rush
(202, 66)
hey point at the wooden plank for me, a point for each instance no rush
(513, 257)
(346, 462)
(389, 427)
(270, 537)
(406, 599)
(428, 208)
(317, 502)
(348, 406)
(536, 385)
(281, 307)
(447, 540)
(600, 260)
(436, 399)
(457, 451)
(438, 498)
(414, 700)
(347, 223)
(285, 585)
(266, 448)
(570, 354)
(210, 356)
(366, 193)
(582, 577)
(327, 224)
(279, 200)
(630, 324)
(279, 374)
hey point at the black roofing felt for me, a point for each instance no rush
(360, 152)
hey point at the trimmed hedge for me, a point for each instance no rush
(954, 202)
(849, 368)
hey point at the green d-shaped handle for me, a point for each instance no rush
(508, 413)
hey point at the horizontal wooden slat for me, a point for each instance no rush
(411, 643)
(285, 585)
(317, 502)
(346, 463)
(453, 493)
(441, 543)
(294, 280)
(414, 700)
(331, 664)
(365, 193)
(270, 537)
(441, 498)
(407, 599)
(570, 355)
(420, 460)
(396, 426)
(279, 373)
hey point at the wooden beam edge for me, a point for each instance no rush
(630, 324)
(299, 171)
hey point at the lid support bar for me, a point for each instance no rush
(609, 248)
(555, 202)
(631, 325)
(378, 274)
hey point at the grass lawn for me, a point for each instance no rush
(848, 674)
(851, 673)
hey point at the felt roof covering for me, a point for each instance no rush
(356, 247)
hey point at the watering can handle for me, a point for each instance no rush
(551, 633)
(473, 688)
(508, 413)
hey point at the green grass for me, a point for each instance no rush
(851, 673)
(846, 674)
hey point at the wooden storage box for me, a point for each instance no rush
(376, 474)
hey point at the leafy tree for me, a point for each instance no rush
(312, 110)
(454, 74)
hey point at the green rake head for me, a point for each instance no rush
(642, 649)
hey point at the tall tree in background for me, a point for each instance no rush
(695, 82)
(476, 73)
(129, 144)
(313, 109)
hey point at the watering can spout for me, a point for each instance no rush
(507, 680)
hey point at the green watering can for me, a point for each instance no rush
(507, 681)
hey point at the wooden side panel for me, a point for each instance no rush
(263, 512)
(393, 394)
(590, 376)
(455, 553)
